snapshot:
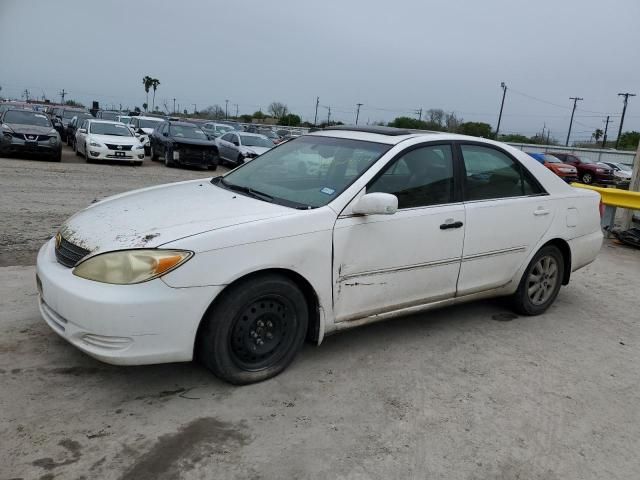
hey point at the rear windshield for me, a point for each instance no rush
(150, 123)
(187, 131)
(26, 118)
(70, 113)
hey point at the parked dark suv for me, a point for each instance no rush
(588, 170)
(61, 118)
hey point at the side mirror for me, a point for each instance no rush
(165, 134)
(82, 130)
(236, 143)
(376, 203)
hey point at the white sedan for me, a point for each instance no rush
(108, 140)
(328, 231)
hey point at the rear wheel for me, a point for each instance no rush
(154, 155)
(541, 282)
(75, 148)
(254, 331)
(587, 178)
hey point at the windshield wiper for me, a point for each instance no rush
(247, 190)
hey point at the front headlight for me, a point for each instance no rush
(127, 267)
(95, 144)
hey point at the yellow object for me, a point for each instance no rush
(615, 196)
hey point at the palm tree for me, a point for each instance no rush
(147, 82)
(154, 83)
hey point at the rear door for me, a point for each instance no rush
(507, 212)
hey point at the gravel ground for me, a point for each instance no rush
(471, 392)
(37, 196)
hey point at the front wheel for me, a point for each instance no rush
(154, 155)
(587, 178)
(254, 330)
(168, 157)
(540, 283)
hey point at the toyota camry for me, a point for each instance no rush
(328, 231)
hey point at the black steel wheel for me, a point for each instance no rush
(254, 330)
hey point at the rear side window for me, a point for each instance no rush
(419, 178)
(492, 174)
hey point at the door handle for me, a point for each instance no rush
(541, 211)
(447, 226)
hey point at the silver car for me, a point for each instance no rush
(236, 147)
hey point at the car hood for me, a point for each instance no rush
(154, 216)
(31, 129)
(192, 141)
(115, 140)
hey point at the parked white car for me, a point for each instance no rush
(107, 140)
(238, 147)
(214, 130)
(328, 231)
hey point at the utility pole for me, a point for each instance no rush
(26, 94)
(624, 110)
(575, 101)
(358, 111)
(606, 127)
(226, 109)
(62, 95)
(174, 106)
(315, 119)
(503, 86)
(634, 186)
(237, 110)
(419, 113)
(195, 110)
(328, 114)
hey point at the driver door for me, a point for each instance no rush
(387, 262)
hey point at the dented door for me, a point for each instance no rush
(386, 262)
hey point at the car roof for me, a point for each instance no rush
(248, 134)
(144, 117)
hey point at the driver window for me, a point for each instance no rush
(421, 177)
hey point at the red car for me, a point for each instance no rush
(588, 170)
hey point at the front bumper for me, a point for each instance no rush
(17, 146)
(120, 324)
(104, 153)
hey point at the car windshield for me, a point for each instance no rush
(187, 131)
(114, 129)
(552, 159)
(251, 141)
(223, 129)
(124, 119)
(307, 172)
(150, 123)
(69, 113)
(26, 118)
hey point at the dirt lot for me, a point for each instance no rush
(470, 392)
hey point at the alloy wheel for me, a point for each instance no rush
(542, 280)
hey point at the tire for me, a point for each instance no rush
(240, 160)
(545, 271)
(168, 157)
(154, 155)
(587, 178)
(57, 157)
(254, 330)
(75, 148)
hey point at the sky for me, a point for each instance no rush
(394, 57)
